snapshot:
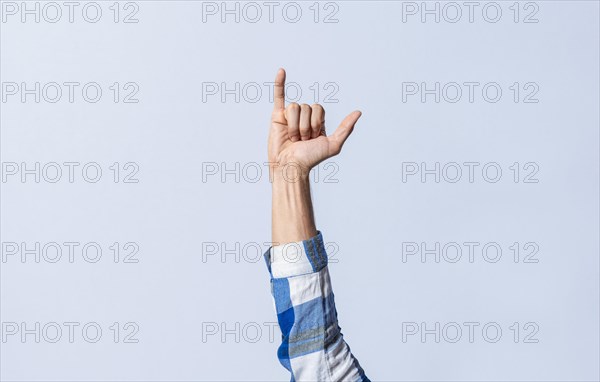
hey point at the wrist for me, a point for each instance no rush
(288, 171)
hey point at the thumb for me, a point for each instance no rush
(339, 136)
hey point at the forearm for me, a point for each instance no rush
(292, 215)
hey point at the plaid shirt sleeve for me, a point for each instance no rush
(313, 347)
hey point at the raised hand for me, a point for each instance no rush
(297, 132)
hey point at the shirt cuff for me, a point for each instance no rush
(297, 258)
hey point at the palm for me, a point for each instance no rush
(306, 153)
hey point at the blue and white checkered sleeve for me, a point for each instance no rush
(313, 347)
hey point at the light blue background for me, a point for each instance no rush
(368, 213)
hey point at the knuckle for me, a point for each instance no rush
(294, 106)
(317, 107)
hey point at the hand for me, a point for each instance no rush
(297, 132)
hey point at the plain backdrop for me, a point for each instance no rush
(198, 300)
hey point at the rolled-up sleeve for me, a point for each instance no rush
(313, 347)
